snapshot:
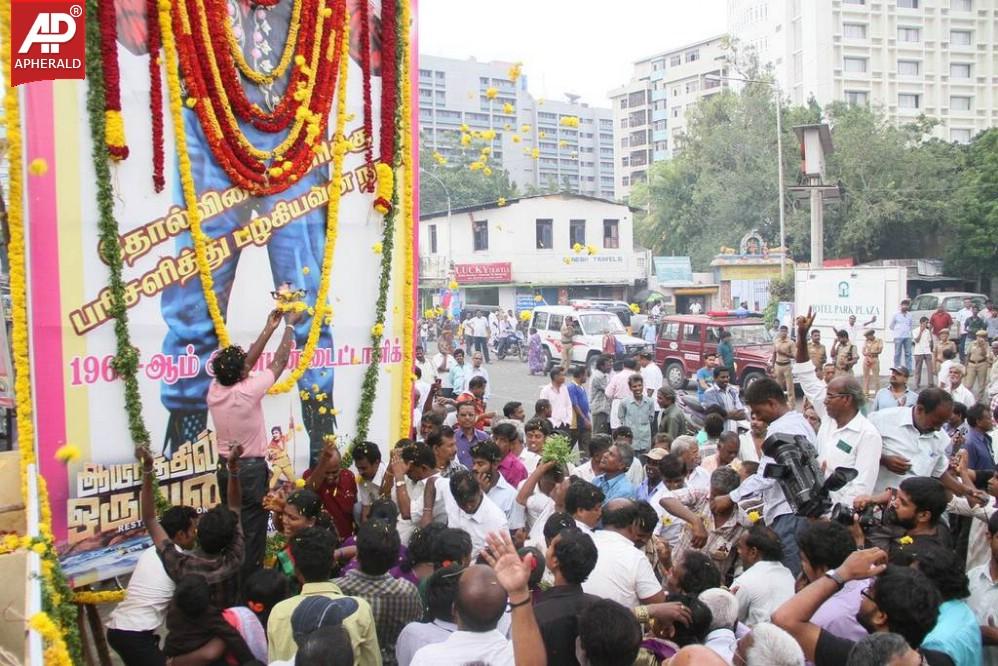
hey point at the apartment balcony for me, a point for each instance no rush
(660, 155)
(657, 75)
(660, 135)
(659, 114)
(433, 267)
(658, 95)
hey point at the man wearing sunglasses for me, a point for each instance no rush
(899, 600)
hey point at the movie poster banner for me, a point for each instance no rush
(257, 244)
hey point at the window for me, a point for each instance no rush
(626, 181)
(480, 235)
(960, 37)
(623, 123)
(909, 67)
(909, 35)
(669, 331)
(961, 5)
(959, 103)
(693, 56)
(854, 2)
(907, 4)
(433, 239)
(556, 322)
(857, 98)
(576, 232)
(545, 234)
(692, 86)
(854, 64)
(909, 101)
(925, 302)
(675, 111)
(959, 135)
(675, 61)
(611, 234)
(625, 142)
(692, 332)
(959, 70)
(541, 321)
(854, 30)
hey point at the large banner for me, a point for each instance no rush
(258, 243)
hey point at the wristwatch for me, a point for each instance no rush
(835, 576)
(399, 484)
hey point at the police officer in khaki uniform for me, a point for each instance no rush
(845, 354)
(872, 349)
(816, 351)
(979, 360)
(780, 363)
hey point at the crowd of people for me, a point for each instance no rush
(655, 541)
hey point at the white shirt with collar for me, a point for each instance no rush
(857, 445)
(504, 496)
(529, 459)
(761, 589)
(443, 376)
(479, 327)
(468, 647)
(622, 572)
(561, 404)
(962, 315)
(415, 489)
(723, 643)
(983, 601)
(416, 635)
(585, 528)
(470, 373)
(926, 452)
(962, 394)
(585, 471)
(651, 374)
(774, 501)
(487, 518)
(814, 389)
(699, 478)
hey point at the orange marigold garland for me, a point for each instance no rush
(115, 138)
(155, 93)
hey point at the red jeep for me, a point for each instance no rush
(684, 339)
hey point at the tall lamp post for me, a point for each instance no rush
(779, 155)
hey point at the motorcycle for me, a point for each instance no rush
(515, 344)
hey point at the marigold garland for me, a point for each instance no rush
(60, 634)
(155, 94)
(108, 597)
(115, 136)
(397, 40)
(409, 304)
(287, 55)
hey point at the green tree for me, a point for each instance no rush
(972, 250)
(465, 187)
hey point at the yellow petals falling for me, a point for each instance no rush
(67, 453)
(577, 248)
(569, 121)
(501, 202)
(515, 71)
(491, 92)
(590, 249)
(754, 516)
(507, 108)
(452, 285)
(516, 138)
(377, 248)
(38, 167)
(306, 270)
(299, 483)
(635, 308)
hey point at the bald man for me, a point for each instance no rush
(697, 655)
(479, 604)
(846, 438)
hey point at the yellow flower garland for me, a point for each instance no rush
(409, 305)
(286, 57)
(332, 217)
(109, 597)
(304, 98)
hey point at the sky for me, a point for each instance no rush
(584, 47)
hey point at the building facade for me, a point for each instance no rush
(910, 57)
(558, 246)
(572, 158)
(649, 111)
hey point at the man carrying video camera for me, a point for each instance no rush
(909, 515)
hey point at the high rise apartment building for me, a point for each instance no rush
(649, 111)
(909, 57)
(577, 159)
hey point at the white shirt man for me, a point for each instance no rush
(926, 452)
(857, 444)
(149, 593)
(622, 572)
(653, 381)
(561, 404)
(470, 373)
(504, 497)
(446, 361)
(983, 601)
(416, 490)
(416, 635)
(487, 518)
(467, 647)
(761, 589)
(479, 327)
(962, 315)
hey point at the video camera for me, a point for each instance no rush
(800, 476)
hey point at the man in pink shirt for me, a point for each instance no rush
(235, 402)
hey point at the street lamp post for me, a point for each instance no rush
(779, 156)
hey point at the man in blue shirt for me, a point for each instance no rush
(901, 324)
(723, 394)
(582, 424)
(705, 375)
(613, 481)
(725, 350)
(980, 454)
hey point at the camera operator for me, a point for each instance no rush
(846, 438)
(915, 509)
(768, 403)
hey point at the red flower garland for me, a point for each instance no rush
(242, 167)
(365, 68)
(389, 78)
(155, 93)
(115, 138)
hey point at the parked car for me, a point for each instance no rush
(619, 308)
(683, 340)
(924, 305)
(590, 327)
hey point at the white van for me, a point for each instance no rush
(590, 327)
